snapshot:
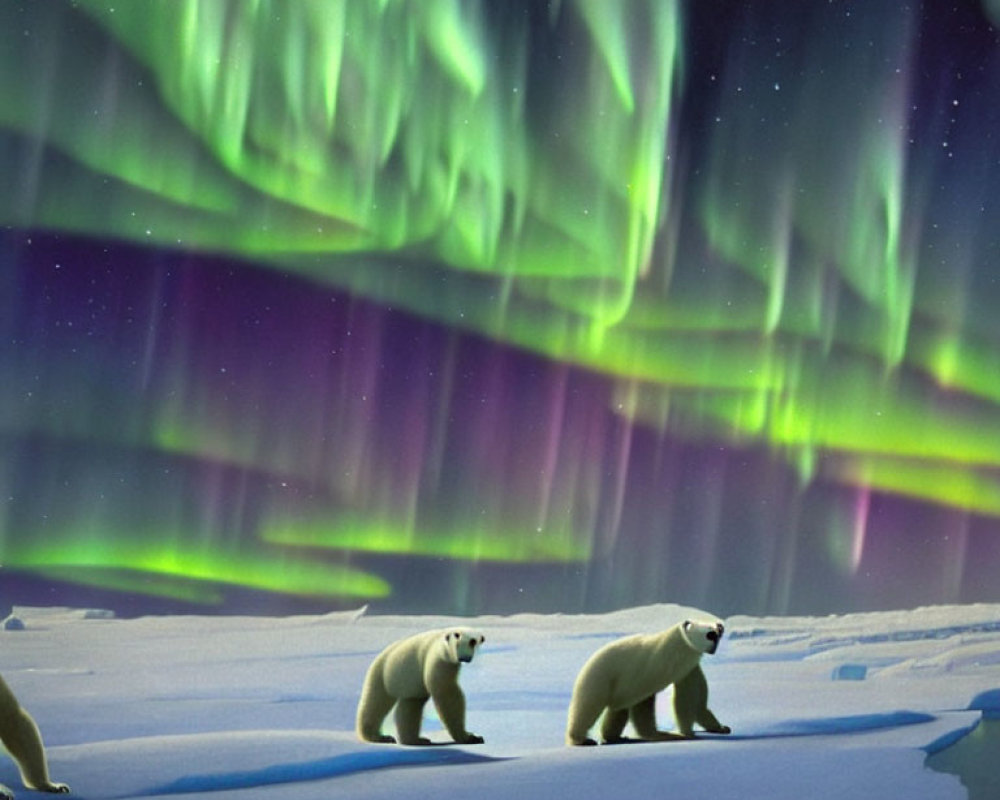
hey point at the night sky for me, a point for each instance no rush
(484, 307)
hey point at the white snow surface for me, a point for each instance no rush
(261, 707)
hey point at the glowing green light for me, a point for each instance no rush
(777, 291)
(973, 490)
(140, 582)
(167, 570)
(482, 544)
(873, 432)
(452, 38)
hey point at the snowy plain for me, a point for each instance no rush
(262, 707)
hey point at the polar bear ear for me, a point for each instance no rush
(687, 624)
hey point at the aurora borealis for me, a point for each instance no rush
(491, 306)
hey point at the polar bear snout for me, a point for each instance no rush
(714, 636)
(465, 644)
(702, 635)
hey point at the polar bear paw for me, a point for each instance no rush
(54, 788)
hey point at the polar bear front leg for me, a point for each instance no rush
(643, 716)
(691, 705)
(449, 702)
(409, 715)
(710, 723)
(450, 705)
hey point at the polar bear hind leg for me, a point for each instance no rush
(583, 713)
(613, 724)
(409, 715)
(375, 705)
(643, 717)
(691, 705)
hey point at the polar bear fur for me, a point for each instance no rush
(408, 673)
(622, 679)
(21, 738)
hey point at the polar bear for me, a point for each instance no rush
(623, 677)
(410, 671)
(20, 736)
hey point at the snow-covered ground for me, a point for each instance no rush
(257, 707)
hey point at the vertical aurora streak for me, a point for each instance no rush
(565, 305)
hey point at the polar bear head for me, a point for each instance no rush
(702, 635)
(461, 644)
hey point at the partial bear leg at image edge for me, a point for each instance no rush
(20, 736)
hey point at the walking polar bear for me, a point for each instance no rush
(408, 673)
(20, 736)
(622, 679)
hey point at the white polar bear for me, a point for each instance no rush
(408, 673)
(20, 736)
(623, 677)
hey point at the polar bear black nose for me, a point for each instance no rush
(712, 636)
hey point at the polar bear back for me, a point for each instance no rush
(628, 670)
(407, 664)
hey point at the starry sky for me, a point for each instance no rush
(473, 307)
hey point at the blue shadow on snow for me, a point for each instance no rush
(831, 726)
(336, 766)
